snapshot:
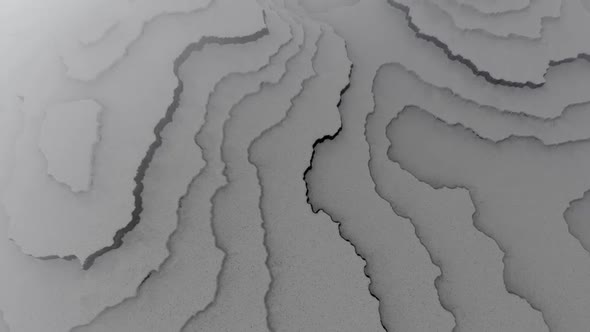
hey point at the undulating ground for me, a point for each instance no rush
(295, 165)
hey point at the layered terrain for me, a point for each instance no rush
(295, 165)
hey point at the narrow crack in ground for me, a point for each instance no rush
(316, 209)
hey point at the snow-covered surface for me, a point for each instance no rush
(496, 6)
(294, 165)
(138, 97)
(521, 23)
(68, 134)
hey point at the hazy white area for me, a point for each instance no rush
(158, 310)
(67, 138)
(127, 131)
(295, 165)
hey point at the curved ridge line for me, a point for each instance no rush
(146, 161)
(487, 108)
(180, 206)
(571, 205)
(454, 94)
(127, 49)
(504, 140)
(316, 209)
(323, 11)
(396, 210)
(469, 64)
(262, 213)
(474, 217)
(99, 124)
(108, 32)
(475, 214)
(509, 35)
(98, 120)
(219, 190)
(224, 188)
(491, 13)
(436, 262)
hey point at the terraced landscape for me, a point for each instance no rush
(295, 165)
